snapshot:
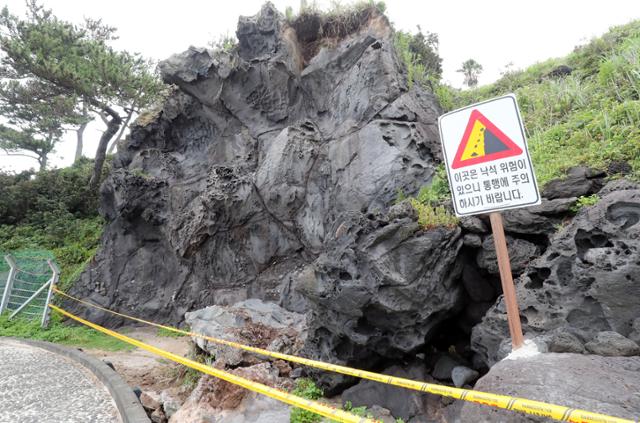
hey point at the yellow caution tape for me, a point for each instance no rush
(314, 406)
(535, 408)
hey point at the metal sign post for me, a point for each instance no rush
(489, 170)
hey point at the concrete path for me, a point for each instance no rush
(39, 386)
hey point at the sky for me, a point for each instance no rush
(493, 32)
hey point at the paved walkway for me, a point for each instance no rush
(39, 386)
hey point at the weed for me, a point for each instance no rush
(584, 201)
(306, 388)
(358, 411)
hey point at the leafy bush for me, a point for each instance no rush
(306, 388)
(52, 211)
(419, 53)
(438, 190)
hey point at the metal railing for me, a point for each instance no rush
(28, 289)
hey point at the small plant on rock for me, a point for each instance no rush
(585, 201)
(306, 388)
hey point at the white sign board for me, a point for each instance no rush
(487, 160)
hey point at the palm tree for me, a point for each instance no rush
(471, 70)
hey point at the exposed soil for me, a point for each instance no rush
(143, 369)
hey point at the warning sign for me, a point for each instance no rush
(483, 142)
(487, 160)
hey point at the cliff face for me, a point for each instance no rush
(269, 174)
(272, 171)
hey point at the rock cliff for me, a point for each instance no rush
(271, 172)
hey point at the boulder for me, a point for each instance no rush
(444, 366)
(586, 281)
(250, 322)
(612, 344)
(605, 385)
(401, 403)
(564, 341)
(216, 400)
(150, 400)
(461, 375)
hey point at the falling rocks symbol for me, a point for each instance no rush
(483, 142)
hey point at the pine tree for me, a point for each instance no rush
(80, 64)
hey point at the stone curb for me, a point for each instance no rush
(128, 405)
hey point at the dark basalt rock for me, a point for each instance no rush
(257, 178)
(580, 181)
(586, 282)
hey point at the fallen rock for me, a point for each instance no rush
(170, 404)
(401, 403)
(250, 322)
(604, 385)
(150, 400)
(158, 416)
(461, 375)
(255, 408)
(213, 396)
(443, 367)
(586, 281)
(612, 344)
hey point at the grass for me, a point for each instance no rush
(166, 333)
(60, 332)
(590, 117)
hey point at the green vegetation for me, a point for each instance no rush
(187, 376)
(358, 411)
(428, 204)
(580, 109)
(585, 201)
(306, 388)
(419, 53)
(166, 333)
(73, 71)
(59, 332)
(471, 71)
(52, 214)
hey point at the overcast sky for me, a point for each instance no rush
(492, 32)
